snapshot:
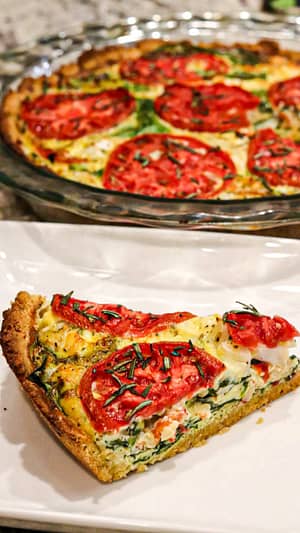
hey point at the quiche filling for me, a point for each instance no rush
(138, 382)
(174, 120)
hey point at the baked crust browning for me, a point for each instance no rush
(17, 334)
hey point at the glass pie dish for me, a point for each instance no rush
(56, 198)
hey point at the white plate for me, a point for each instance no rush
(243, 481)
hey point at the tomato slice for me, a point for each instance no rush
(274, 158)
(286, 93)
(187, 70)
(142, 379)
(215, 107)
(251, 330)
(113, 319)
(70, 116)
(168, 166)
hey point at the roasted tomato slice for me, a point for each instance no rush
(142, 379)
(70, 116)
(274, 158)
(216, 107)
(187, 70)
(113, 319)
(251, 330)
(286, 93)
(168, 166)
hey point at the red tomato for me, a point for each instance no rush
(262, 368)
(250, 330)
(216, 107)
(166, 69)
(274, 158)
(168, 166)
(286, 92)
(70, 116)
(113, 319)
(152, 377)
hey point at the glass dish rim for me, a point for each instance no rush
(125, 25)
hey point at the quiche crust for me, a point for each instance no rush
(17, 335)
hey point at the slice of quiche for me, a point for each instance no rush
(124, 389)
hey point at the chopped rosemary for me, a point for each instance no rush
(247, 309)
(175, 352)
(199, 368)
(117, 379)
(141, 159)
(137, 350)
(166, 363)
(131, 369)
(118, 366)
(111, 313)
(146, 391)
(90, 316)
(138, 408)
(118, 392)
(65, 299)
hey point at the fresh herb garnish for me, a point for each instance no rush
(138, 408)
(119, 392)
(138, 351)
(132, 369)
(141, 159)
(247, 75)
(175, 352)
(167, 379)
(199, 368)
(111, 313)
(166, 363)
(246, 309)
(146, 391)
(65, 299)
(90, 316)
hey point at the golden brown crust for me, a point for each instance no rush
(17, 335)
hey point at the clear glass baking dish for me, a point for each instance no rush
(55, 198)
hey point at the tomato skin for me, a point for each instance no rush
(274, 158)
(262, 368)
(214, 108)
(70, 116)
(128, 323)
(286, 92)
(165, 69)
(151, 381)
(168, 166)
(251, 330)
